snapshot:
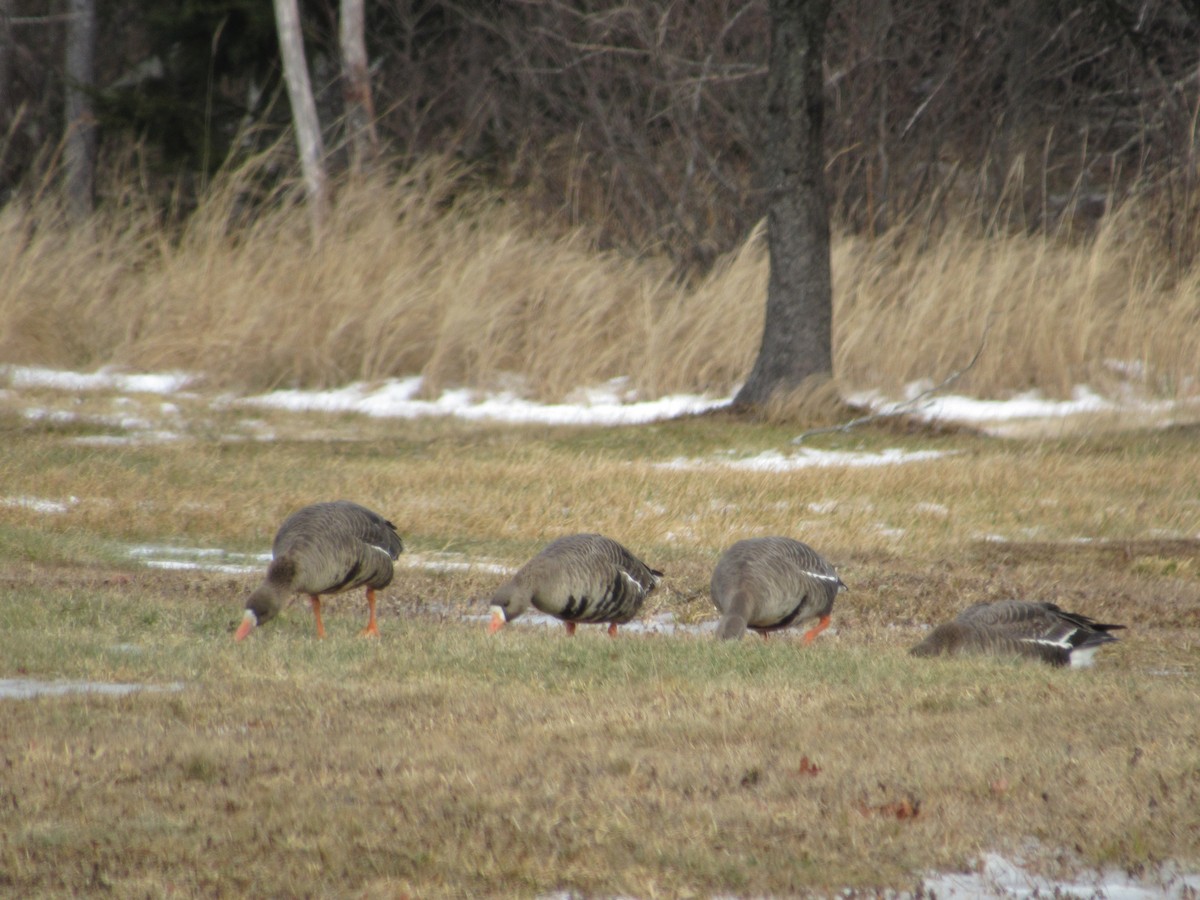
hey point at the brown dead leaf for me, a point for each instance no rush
(901, 810)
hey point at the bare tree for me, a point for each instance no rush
(5, 56)
(304, 110)
(80, 142)
(356, 86)
(797, 335)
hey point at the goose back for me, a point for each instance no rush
(327, 548)
(1034, 630)
(769, 583)
(583, 578)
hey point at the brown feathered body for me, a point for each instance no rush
(326, 548)
(1035, 630)
(768, 583)
(578, 578)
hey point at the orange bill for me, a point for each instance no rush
(249, 621)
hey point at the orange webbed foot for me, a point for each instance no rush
(811, 634)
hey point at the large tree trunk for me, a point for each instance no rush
(356, 86)
(797, 336)
(79, 151)
(304, 110)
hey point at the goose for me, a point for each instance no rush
(1023, 628)
(577, 578)
(767, 583)
(325, 548)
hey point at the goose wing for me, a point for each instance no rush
(590, 578)
(339, 546)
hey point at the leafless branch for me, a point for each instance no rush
(904, 408)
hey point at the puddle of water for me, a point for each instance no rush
(206, 567)
(214, 559)
(207, 559)
(28, 688)
(663, 623)
(452, 562)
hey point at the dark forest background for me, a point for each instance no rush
(644, 120)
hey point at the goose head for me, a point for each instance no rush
(508, 602)
(267, 599)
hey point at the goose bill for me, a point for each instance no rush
(249, 622)
(498, 620)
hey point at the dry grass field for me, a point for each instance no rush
(441, 761)
(424, 273)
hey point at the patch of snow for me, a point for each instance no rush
(28, 688)
(104, 379)
(933, 509)
(127, 440)
(38, 504)
(57, 416)
(613, 403)
(998, 877)
(1029, 405)
(1132, 369)
(396, 398)
(807, 458)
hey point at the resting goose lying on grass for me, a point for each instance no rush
(1019, 628)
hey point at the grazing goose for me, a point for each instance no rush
(325, 548)
(768, 583)
(1021, 628)
(578, 578)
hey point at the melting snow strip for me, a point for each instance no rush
(28, 688)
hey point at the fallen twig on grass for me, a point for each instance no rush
(903, 408)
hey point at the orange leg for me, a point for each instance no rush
(612, 629)
(372, 629)
(570, 629)
(811, 634)
(764, 634)
(316, 608)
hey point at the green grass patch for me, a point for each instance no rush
(443, 761)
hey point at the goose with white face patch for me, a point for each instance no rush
(325, 548)
(578, 578)
(1033, 630)
(768, 583)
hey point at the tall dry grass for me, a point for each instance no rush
(423, 273)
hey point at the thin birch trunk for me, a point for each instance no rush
(356, 86)
(5, 56)
(79, 151)
(304, 111)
